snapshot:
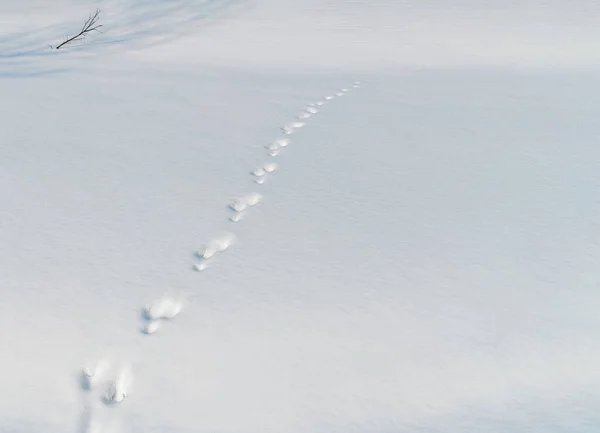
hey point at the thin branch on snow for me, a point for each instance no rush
(90, 25)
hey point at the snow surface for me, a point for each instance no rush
(424, 259)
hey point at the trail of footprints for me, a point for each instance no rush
(112, 385)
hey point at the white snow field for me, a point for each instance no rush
(424, 259)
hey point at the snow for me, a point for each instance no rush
(151, 327)
(166, 307)
(259, 172)
(119, 387)
(277, 144)
(270, 167)
(424, 259)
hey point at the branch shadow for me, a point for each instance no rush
(136, 24)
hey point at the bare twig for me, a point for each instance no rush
(90, 25)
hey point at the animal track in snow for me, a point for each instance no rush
(113, 386)
(208, 250)
(224, 242)
(236, 217)
(279, 143)
(165, 308)
(275, 147)
(119, 387)
(274, 152)
(151, 327)
(291, 127)
(93, 375)
(270, 167)
(202, 266)
(253, 198)
(240, 204)
(259, 172)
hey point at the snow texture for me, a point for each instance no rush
(422, 261)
